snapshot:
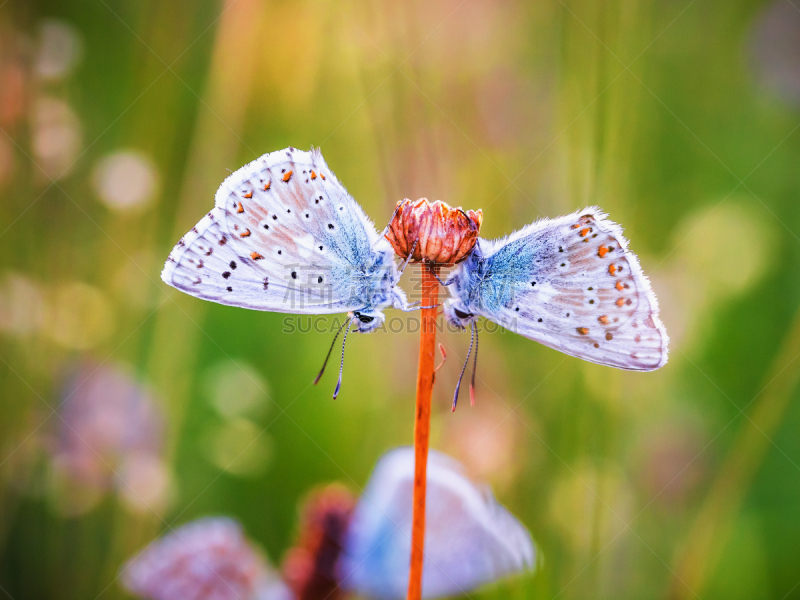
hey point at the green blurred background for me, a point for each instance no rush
(680, 118)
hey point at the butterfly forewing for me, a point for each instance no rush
(572, 284)
(285, 236)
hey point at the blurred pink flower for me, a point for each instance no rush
(775, 50)
(106, 418)
(209, 559)
(309, 568)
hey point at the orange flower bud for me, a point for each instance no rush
(444, 235)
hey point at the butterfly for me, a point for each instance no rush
(569, 283)
(470, 538)
(285, 236)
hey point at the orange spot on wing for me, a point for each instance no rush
(619, 286)
(585, 231)
(604, 320)
(313, 175)
(602, 251)
(245, 233)
(620, 302)
(612, 269)
(255, 256)
(266, 185)
(249, 194)
(575, 226)
(582, 330)
(609, 337)
(288, 175)
(239, 208)
(321, 175)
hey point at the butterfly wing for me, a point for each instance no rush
(284, 236)
(470, 539)
(571, 284)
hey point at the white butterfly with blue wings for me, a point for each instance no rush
(569, 283)
(285, 236)
(470, 539)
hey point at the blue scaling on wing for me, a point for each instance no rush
(495, 279)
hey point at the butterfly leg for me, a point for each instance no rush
(441, 364)
(435, 274)
(416, 306)
(405, 262)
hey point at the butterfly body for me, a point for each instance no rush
(570, 283)
(285, 236)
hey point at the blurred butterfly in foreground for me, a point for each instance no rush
(285, 236)
(470, 539)
(569, 283)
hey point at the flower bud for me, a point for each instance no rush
(444, 235)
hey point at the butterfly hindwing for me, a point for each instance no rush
(300, 243)
(470, 538)
(572, 284)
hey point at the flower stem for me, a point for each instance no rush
(422, 425)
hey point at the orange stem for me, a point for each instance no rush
(422, 427)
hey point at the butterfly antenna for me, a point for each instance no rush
(341, 363)
(464, 368)
(441, 364)
(322, 370)
(474, 366)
